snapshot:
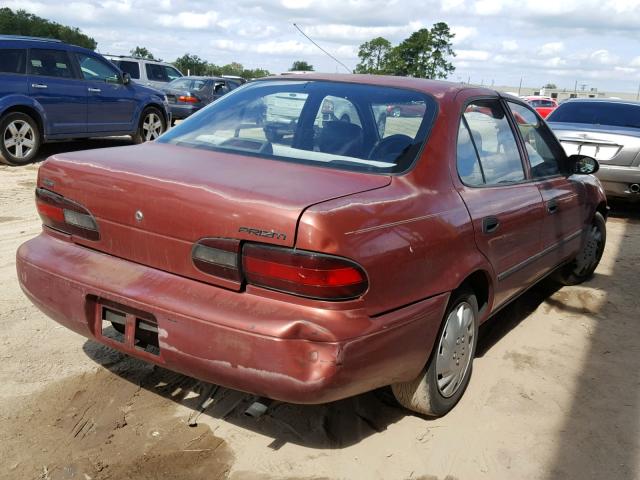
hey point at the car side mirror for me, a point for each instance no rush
(126, 78)
(583, 165)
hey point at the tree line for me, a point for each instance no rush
(424, 54)
(22, 22)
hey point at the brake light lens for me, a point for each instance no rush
(65, 215)
(308, 274)
(218, 256)
(188, 99)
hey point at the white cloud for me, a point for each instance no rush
(550, 49)
(510, 46)
(189, 20)
(478, 55)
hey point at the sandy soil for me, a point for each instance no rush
(555, 394)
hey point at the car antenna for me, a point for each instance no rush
(323, 50)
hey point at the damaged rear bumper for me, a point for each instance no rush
(255, 341)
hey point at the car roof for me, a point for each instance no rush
(437, 88)
(537, 97)
(140, 59)
(200, 77)
(41, 42)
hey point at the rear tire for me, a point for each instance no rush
(581, 268)
(19, 138)
(152, 124)
(442, 383)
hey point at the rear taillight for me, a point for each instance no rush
(299, 272)
(188, 99)
(218, 256)
(303, 273)
(66, 216)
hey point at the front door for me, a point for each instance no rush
(54, 84)
(563, 197)
(110, 103)
(506, 210)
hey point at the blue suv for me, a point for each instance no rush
(53, 91)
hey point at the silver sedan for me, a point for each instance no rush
(609, 131)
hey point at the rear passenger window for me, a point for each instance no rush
(494, 142)
(132, 68)
(50, 63)
(468, 163)
(13, 61)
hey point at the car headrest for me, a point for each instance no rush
(341, 138)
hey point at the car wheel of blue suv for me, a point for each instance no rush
(19, 138)
(152, 125)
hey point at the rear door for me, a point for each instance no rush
(13, 67)
(54, 84)
(110, 103)
(563, 197)
(506, 209)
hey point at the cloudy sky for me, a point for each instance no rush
(593, 42)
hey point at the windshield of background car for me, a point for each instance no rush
(336, 125)
(597, 113)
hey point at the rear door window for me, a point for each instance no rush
(13, 61)
(161, 73)
(494, 142)
(50, 63)
(132, 68)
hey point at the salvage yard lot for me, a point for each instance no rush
(555, 393)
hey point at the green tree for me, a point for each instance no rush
(192, 64)
(24, 23)
(374, 56)
(143, 52)
(550, 86)
(441, 50)
(425, 54)
(301, 66)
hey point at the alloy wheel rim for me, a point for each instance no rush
(454, 349)
(151, 127)
(19, 139)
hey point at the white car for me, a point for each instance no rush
(147, 72)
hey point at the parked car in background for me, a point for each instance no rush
(187, 95)
(53, 91)
(411, 109)
(609, 131)
(543, 105)
(313, 268)
(151, 73)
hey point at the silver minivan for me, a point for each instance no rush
(147, 72)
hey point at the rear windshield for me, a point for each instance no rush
(598, 113)
(187, 84)
(336, 125)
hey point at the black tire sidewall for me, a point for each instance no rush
(440, 405)
(567, 275)
(6, 156)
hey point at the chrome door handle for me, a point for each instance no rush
(39, 85)
(94, 90)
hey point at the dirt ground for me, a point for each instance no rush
(555, 393)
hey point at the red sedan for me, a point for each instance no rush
(324, 264)
(543, 105)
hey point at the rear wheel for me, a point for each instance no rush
(441, 384)
(588, 258)
(20, 138)
(152, 125)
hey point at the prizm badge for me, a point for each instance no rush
(263, 233)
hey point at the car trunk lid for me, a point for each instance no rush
(153, 202)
